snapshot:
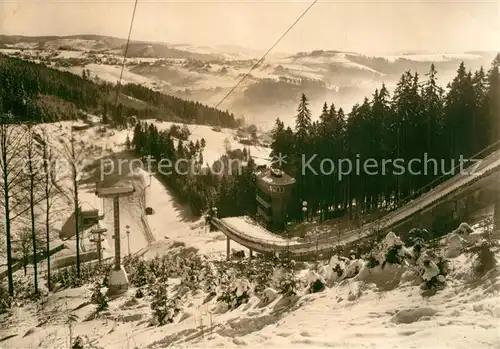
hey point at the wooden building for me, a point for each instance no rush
(88, 217)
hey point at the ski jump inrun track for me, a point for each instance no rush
(255, 238)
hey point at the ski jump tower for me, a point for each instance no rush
(118, 280)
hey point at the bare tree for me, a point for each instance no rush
(12, 180)
(52, 192)
(73, 155)
(33, 174)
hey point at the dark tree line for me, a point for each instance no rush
(34, 92)
(420, 120)
(227, 185)
(194, 112)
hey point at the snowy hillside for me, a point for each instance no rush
(170, 221)
(341, 303)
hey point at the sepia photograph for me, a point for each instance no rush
(250, 174)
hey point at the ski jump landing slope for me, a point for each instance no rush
(247, 233)
(132, 214)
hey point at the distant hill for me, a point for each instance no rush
(35, 92)
(207, 74)
(100, 44)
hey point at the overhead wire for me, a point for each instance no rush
(125, 53)
(267, 52)
(265, 55)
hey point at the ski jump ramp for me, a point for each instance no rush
(132, 214)
(247, 233)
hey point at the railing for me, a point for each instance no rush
(489, 165)
(150, 238)
(142, 200)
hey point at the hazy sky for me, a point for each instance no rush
(367, 26)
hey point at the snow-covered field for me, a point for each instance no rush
(111, 73)
(307, 62)
(173, 222)
(353, 311)
(216, 142)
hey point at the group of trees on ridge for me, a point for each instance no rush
(227, 185)
(34, 92)
(420, 120)
(32, 198)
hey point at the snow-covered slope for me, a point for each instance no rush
(170, 220)
(353, 312)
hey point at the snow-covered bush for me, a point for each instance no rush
(235, 293)
(433, 271)
(164, 308)
(269, 295)
(287, 281)
(463, 229)
(416, 239)
(192, 272)
(390, 251)
(454, 245)
(98, 298)
(259, 271)
(89, 273)
(353, 267)
(483, 251)
(5, 300)
(209, 276)
(159, 267)
(315, 282)
(385, 265)
(393, 250)
(336, 269)
(139, 293)
(372, 261)
(482, 246)
(138, 272)
(262, 280)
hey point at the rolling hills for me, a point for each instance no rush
(206, 74)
